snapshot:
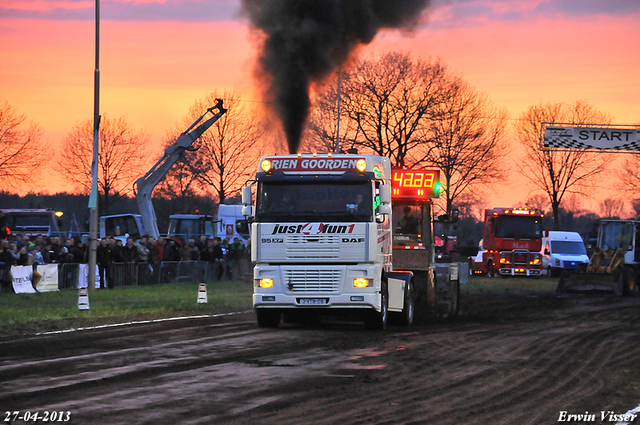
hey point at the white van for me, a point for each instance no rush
(562, 251)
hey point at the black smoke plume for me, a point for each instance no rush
(307, 39)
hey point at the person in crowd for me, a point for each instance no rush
(213, 255)
(171, 252)
(38, 258)
(65, 256)
(194, 251)
(18, 240)
(47, 252)
(158, 250)
(143, 250)
(130, 251)
(189, 252)
(151, 246)
(234, 255)
(116, 250)
(10, 258)
(23, 256)
(56, 248)
(202, 243)
(104, 258)
(80, 252)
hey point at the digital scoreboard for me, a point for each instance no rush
(418, 185)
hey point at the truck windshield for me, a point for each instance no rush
(616, 235)
(308, 201)
(518, 227)
(568, 247)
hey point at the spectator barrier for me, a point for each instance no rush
(74, 275)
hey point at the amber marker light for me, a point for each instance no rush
(265, 165)
(361, 282)
(265, 282)
(361, 165)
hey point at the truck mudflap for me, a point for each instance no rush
(579, 281)
(446, 294)
(401, 295)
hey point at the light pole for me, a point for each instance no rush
(93, 197)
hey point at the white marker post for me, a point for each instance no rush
(202, 294)
(83, 299)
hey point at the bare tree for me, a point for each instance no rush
(225, 156)
(628, 175)
(21, 151)
(555, 172)
(392, 99)
(538, 201)
(122, 160)
(466, 141)
(611, 207)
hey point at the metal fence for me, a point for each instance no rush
(166, 272)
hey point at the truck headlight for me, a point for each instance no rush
(265, 165)
(265, 282)
(361, 282)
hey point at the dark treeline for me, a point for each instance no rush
(468, 230)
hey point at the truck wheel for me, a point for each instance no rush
(630, 283)
(407, 309)
(618, 290)
(375, 320)
(268, 318)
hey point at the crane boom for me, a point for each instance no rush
(172, 154)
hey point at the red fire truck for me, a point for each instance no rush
(512, 239)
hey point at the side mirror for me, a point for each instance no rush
(247, 210)
(546, 252)
(246, 196)
(384, 209)
(385, 194)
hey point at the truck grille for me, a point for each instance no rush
(570, 265)
(326, 281)
(520, 258)
(313, 246)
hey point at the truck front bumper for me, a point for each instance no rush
(520, 272)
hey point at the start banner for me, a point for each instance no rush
(591, 138)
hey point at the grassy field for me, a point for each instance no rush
(49, 311)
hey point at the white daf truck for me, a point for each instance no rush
(344, 233)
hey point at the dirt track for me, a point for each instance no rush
(506, 360)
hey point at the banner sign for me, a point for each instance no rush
(49, 281)
(313, 164)
(22, 279)
(591, 138)
(84, 276)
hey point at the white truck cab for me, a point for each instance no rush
(562, 251)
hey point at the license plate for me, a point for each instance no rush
(313, 301)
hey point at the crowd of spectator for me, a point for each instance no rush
(17, 249)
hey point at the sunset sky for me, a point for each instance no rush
(158, 56)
